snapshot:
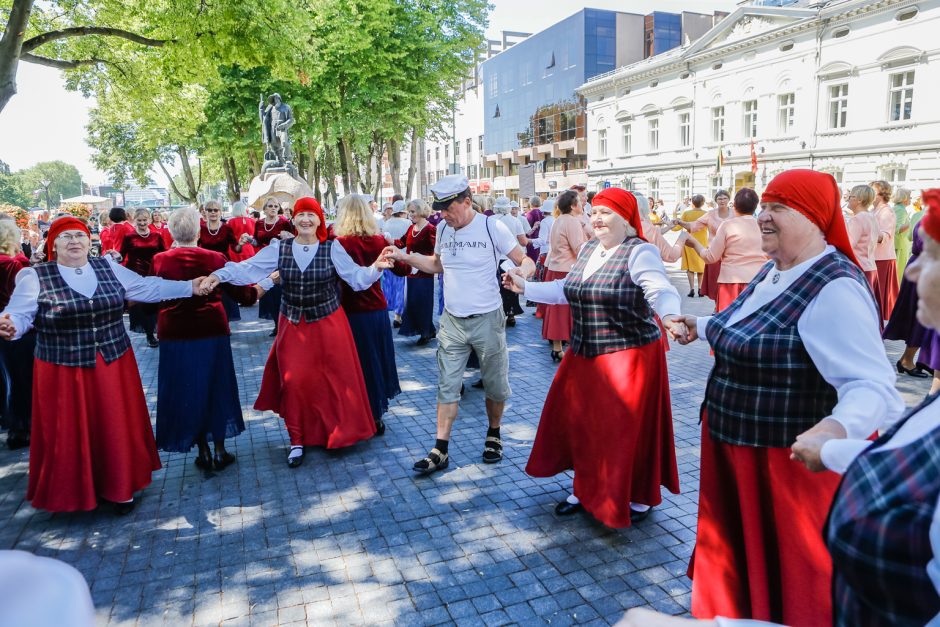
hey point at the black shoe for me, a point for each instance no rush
(273, 333)
(152, 341)
(203, 460)
(511, 321)
(423, 341)
(436, 460)
(397, 324)
(492, 450)
(916, 371)
(379, 427)
(123, 509)
(477, 384)
(295, 462)
(566, 509)
(557, 355)
(925, 368)
(636, 516)
(691, 294)
(17, 441)
(700, 295)
(223, 460)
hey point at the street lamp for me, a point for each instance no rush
(45, 183)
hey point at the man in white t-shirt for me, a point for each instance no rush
(468, 249)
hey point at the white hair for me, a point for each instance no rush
(238, 209)
(184, 225)
(642, 206)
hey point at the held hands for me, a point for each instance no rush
(391, 253)
(383, 262)
(206, 284)
(276, 277)
(198, 286)
(285, 235)
(7, 329)
(514, 280)
(677, 329)
(808, 446)
(244, 239)
(690, 326)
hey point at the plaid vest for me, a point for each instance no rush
(72, 328)
(764, 389)
(313, 293)
(609, 310)
(878, 533)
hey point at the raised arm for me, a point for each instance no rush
(358, 277)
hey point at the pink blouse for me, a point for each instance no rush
(568, 235)
(887, 223)
(737, 245)
(863, 233)
(711, 220)
(668, 252)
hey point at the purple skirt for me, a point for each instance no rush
(903, 323)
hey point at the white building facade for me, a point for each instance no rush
(848, 87)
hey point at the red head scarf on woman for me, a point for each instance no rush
(930, 223)
(310, 205)
(65, 223)
(816, 195)
(623, 203)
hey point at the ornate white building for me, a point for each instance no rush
(849, 87)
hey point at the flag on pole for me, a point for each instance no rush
(753, 159)
(720, 163)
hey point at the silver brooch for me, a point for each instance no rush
(776, 279)
(78, 270)
(306, 249)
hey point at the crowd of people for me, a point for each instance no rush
(801, 390)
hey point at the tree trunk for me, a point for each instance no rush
(311, 163)
(412, 164)
(231, 178)
(316, 179)
(394, 164)
(344, 166)
(11, 47)
(226, 169)
(379, 168)
(254, 164)
(237, 189)
(192, 187)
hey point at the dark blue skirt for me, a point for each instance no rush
(393, 286)
(269, 307)
(16, 382)
(143, 317)
(372, 333)
(418, 318)
(232, 310)
(197, 393)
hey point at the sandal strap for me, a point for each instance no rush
(493, 444)
(435, 453)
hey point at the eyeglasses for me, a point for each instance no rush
(72, 237)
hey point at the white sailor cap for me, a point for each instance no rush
(502, 202)
(398, 207)
(449, 187)
(513, 204)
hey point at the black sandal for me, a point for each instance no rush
(204, 459)
(435, 461)
(223, 460)
(492, 450)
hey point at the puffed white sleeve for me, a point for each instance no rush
(647, 271)
(23, 303)
(546, 292)
(252, 270)
(149, 289)
(358, 277)
(836, 455)
(851, 357)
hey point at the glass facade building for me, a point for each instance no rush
(662, 32)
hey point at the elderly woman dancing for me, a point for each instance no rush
(418, 318)
(312, 379)
(16, 357)
(786, 366)
(137, 250)
(91, 436)
(608, 415)
(272, 227)
(218, 236)
(197, 398)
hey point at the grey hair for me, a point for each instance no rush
(631, 232)
(420, 207)
(184, 225)
(535, 201)
(10, 236)
(902, 195)
(642, 206)
(238, 209)
(141, 210)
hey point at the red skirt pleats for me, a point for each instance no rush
(609, 418)
(888, 286)
(759, 550)
(313, 380)
(556, 319)
(727, 292)
(91, 435)
(710, 280)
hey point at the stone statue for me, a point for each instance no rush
(276, 120)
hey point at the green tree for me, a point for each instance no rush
(52, 180)
(10, 192)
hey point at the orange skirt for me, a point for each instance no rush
(727, 292)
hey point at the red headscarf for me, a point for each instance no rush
(623, 203)
(310, 205)
(930, 223)
(816, 195)
(65, 223)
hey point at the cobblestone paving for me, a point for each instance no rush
(352, 537)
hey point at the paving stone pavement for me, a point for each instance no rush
(352, 537)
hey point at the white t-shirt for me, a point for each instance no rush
(469, 261)
(396, 227)
(514, 226)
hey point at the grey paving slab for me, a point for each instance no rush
(352, 537)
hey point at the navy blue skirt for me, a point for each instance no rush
(143, 317)
(197, 393)
(372, 333)
(232, 310)
(418, 318)
(269, 307)
(393, 286)
(16, 382)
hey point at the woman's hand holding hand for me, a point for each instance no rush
(392, 253)
(276, 277)
(285, 235)
(207, 284)
(244, 239)
(808, 446)
(676, 328)
(7, 329)
(514, 280)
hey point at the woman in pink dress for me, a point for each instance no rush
(711, 220)
(735, 249)
(886, 261)
(863, 231)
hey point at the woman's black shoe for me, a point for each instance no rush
(566, 509)
(557, 355)
(700, 295)
(423, 341)
(203, 460)
(916, 371)
(17, 441)
(379, 427)
(925, 368)
(152, 341)
(396, 324)
(511, 321)
(636, 516)
(691, 294)
(223, 460)
(297, 460)
(123, 509)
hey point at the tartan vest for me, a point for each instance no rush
(313, 293)
(764, 389)
(72, 328)
(609, 310)
(878, 533)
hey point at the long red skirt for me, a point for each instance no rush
(888, 287)
(710, 283)
(91, 436)
(313, 380)
(609, 419)
(759, 551)
(556, 319)
(727, 292)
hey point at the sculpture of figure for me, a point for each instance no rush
(276, 120)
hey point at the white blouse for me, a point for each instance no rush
(24, 302)
(840, 330)
(646, 270)
(256, 269)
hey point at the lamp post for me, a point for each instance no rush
(45, 183)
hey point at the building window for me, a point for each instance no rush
(481, 144)
(714, 183)
(718, 124)
(902, 96)
(626, 139)
(437, 156)
(683, 188)
(446, 152)
(750, 118)
(469, 147)
(456, 149)
(786, 113)
(429, 156)
(894, 175)
(685, 130)
(838, 105)
(652, 189)
(627, 183)
(654, 134)
(602, 143)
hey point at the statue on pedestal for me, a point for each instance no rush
(276, 120)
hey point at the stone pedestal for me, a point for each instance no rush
(280, 183)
